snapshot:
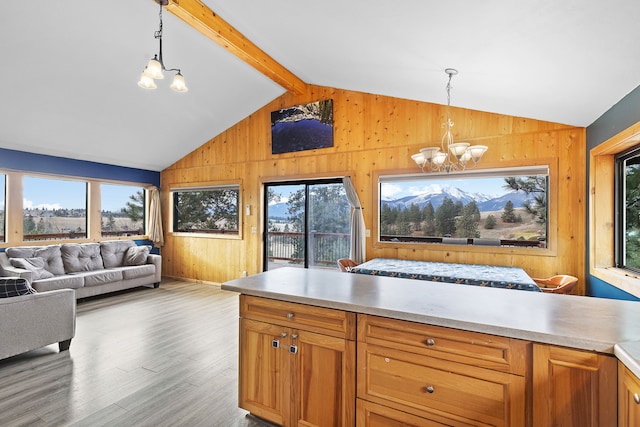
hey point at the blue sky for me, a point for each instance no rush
(55, 194)
(489, 186)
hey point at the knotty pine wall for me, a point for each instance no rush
(376, 134)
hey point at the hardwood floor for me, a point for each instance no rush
(145, 357)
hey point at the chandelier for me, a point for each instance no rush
(155, 66)
(450, 156)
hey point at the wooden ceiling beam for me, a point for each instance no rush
(199, 16)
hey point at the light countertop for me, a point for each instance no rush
(584, 323)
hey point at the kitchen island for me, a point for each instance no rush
(515, 346)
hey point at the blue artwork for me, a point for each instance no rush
(303, 127)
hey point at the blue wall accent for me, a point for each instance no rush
(31, 162)
(618, 118)
(601, 289)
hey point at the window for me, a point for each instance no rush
(627, 224)
(54, 209)
(3, 198)
(501, 207)
(123, 209)
(213, 210)
(306, 223)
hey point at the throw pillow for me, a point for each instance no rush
(136, 255)
(52, 258)
(14, 287)
(35, 265)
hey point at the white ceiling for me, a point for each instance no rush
(69, 69)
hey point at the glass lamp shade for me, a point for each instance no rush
(439, 159)
(458, 149)
(419, 159)
(146, 82)
(465, 157)
(154, 69)
(178, 83)
(477, 151)
(429, 153)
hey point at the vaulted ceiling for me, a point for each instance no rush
(69, 69)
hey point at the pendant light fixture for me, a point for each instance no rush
(450, 156)
(155, 67)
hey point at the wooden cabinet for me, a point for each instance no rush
(628, 397)
(573, 387)
(297, 363)
(415, 374)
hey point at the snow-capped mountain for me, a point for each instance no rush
(436, 195)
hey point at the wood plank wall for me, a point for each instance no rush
(376, 134)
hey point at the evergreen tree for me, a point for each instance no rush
(134, 208)
(536, 185)
(28, 225)
(466, 224)
(446, 218)
(490, 222)
(508, 214)
(415, 216)
(429, 214)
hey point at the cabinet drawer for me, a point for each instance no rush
(426, 386)
(488, 351)
(327, 321)
(372, 415)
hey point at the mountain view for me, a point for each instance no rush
(437, 194)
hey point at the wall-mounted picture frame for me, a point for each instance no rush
(302, 127)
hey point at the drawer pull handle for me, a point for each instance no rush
(430, 342)
(294, 336)
(283, 334)
(636, 398)
(290, 315)
(429, 389)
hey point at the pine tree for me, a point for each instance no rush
(508, 214)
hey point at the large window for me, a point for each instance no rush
(123, 208)
(503, 207)
(212, 210)
(306, 223)
(628, 210)
(54, 209)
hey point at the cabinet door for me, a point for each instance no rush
(628, 398)
(573, 388)
(323, 376)
(264, 380)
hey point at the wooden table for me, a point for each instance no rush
(463, 274)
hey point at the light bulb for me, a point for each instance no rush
(146, 82)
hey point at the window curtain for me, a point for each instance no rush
(155, 217)
(358, 231)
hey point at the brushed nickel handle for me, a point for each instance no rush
(636, 398)
(429, 389)
(290, 315)
(430, 342)
(294, 336)
(283, 334)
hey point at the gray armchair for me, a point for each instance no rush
(37, 320)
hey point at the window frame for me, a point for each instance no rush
(14, 208)
(86, 207)
(602, 256)
(145, 209)
(201, 187)
(507, 168)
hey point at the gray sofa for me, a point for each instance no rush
(36, 320)
(87, 268)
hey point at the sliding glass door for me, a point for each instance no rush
(306, 223)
